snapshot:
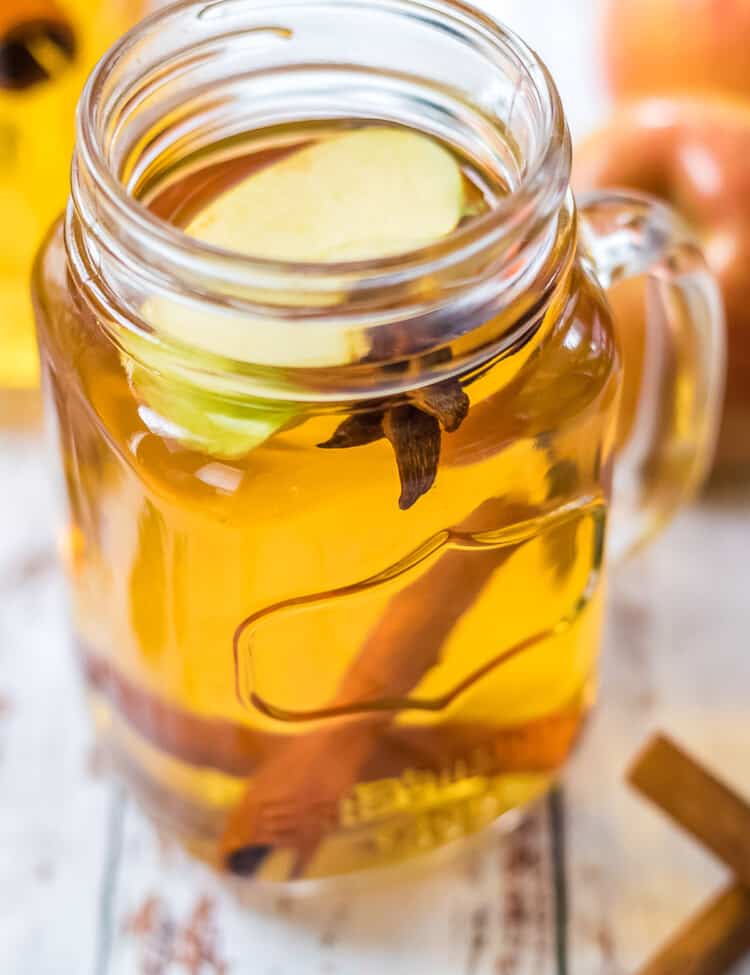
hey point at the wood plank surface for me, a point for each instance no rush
(54, 804)
(486, 908)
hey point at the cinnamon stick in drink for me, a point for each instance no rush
(237, 749)
(293, 800)
(205, 742)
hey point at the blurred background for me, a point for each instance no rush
(47, 48)
(657, 93)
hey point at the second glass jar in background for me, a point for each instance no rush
(47, 48)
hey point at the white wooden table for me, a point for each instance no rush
(590, 885)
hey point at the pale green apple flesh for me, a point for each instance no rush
(365, 194)
(194, 413)
(369, 193)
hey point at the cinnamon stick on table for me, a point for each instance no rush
(711, 942)
(697, 801)
(719, 935)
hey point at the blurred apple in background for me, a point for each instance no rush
(695, 153)
(656, 46)
(689, 143)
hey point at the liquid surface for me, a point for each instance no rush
(305, 658)
(183, 194)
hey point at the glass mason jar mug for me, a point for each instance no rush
(338, 512)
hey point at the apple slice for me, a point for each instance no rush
(196, 414)
(370, 193)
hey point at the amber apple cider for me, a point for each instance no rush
(325, 636)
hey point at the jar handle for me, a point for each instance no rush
(674, 354)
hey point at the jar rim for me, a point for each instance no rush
(403, 320)
(539, 193)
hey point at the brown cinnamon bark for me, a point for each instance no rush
(235, 749)
(201, 741)
(709, 944)
(719, 935)
(697, 801)
(293, 800)
(542, 745)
